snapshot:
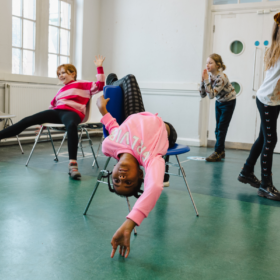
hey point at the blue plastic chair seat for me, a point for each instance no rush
(177, 150)
(115, 105)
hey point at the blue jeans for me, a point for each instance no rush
(224, 112)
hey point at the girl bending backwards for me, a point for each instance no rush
(268, 103)
(220, 87)
(68, 107)
(142, 139)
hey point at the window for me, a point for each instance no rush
(59, 35)
(23, 36)
(236, 47)
(221, 2)
(250, 1)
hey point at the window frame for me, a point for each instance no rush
(22, 48)
(41, 41)
(63, 28)
(238, 3)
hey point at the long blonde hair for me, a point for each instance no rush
(273, 53)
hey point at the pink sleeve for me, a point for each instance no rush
(98, 86)
(109, 122)
(153, 185)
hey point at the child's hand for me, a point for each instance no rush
(205, 75)
(101, 104)
(99, 60)
(122, 238)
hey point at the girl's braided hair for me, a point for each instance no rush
(136, 191)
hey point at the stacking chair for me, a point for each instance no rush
(91, 121)
(115, 108)
(6, 118)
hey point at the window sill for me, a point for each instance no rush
(246, 6)
(28, 79)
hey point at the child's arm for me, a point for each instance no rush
(98, 86)
(153, 186)
(202, 87)
(109, 122)
(216, 89)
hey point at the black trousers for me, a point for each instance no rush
(133, 103)
(224, 112)
(266, 141)
(69, 118)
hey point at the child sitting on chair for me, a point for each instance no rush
(142, 139)
(68, 107)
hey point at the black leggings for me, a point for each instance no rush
(266, 141)
(69, 118)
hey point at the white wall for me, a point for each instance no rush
(162, 43)
(157, 40)
(86, 43)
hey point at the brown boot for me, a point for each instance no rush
(223, 154)
(214, 157)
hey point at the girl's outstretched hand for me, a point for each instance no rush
(101, 104)
(205, 75)
(99, 60)
(122, 238)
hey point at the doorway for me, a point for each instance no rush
(241, 38)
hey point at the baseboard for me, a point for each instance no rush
(188, 141)
(55, 136)
(232, 145)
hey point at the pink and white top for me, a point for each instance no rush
(75, 95)
(144, 136)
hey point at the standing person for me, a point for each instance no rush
(67, 107)
(268, 103)
(220, 87)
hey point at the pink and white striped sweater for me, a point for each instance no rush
(75, 95)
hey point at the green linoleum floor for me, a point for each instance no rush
(43, 234)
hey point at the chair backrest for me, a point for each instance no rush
(115, 106)
(92, 113)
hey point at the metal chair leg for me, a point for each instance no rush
(36, 141)
(129, 209)
(80, 142)
(17, 138)
(98, 149)
(96, 186)
(56, 158)
(90, 143)
(184, 176)
(64, 137)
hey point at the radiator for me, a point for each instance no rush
(24, 100)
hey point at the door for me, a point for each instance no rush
(239, 39)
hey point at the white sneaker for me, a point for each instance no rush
(166, 184)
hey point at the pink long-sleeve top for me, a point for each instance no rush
(144, 136)
(75, 95)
